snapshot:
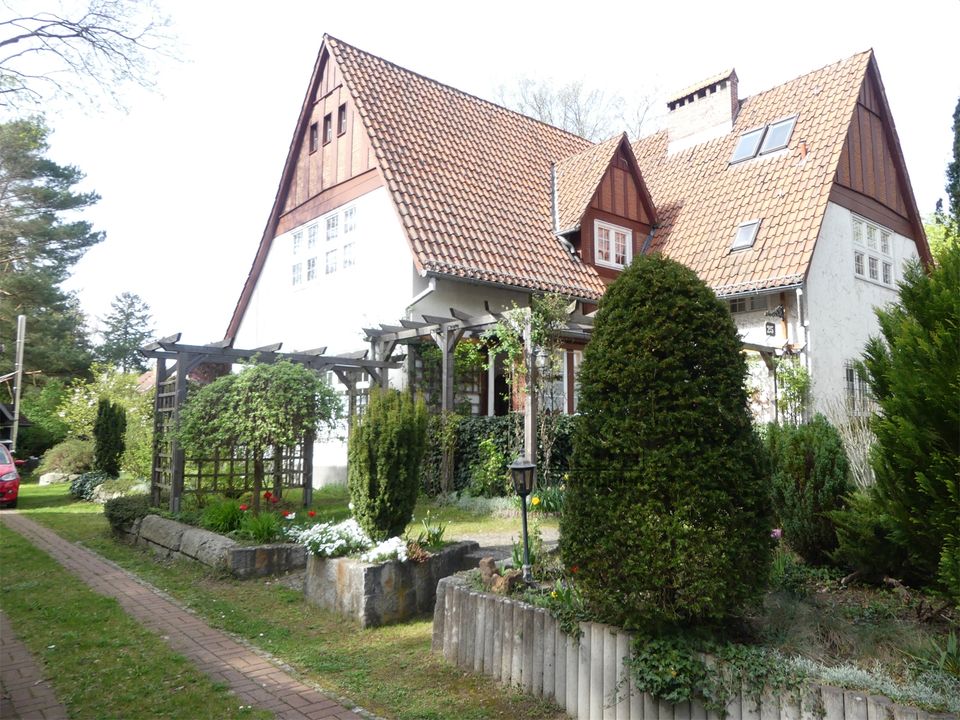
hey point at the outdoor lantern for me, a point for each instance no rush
(523, 473)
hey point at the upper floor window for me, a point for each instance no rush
(763, 140)
(311, 269)
(859, 398)
(297, 277)
(297, 241)
(872, 252)
(314, 137)
(327, 128)
(746, 235)
(751, 303)
(342, 119)
(613, 245)
(312, 236)
(333, 227)
(349, 220)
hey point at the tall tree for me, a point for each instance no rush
(125, 331)
(953, 169)
(38, 246)
(81, 49)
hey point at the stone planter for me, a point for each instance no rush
(523, 646)
(169, 538)
(384, 593)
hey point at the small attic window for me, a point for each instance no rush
(778, 135)
(748, 145)
(746, 234)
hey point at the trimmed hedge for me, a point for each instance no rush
(124, 510)
(472, 430)
(666, 517)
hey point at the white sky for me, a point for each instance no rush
(188, 175)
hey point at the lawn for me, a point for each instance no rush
(389, 671)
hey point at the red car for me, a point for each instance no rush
(9, 479)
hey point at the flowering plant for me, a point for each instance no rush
(332, 539)
(392, 548)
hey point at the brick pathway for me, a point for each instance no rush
(25, 693)
(254, 679)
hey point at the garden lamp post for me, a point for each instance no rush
(522, 471)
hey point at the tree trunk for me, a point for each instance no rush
(257, 481)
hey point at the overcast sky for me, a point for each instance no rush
(188, 175)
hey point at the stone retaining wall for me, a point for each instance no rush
(384, 593)
(521, 645)
(170, 538)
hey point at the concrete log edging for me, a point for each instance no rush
(172, 539)
(378, 594)
(524, 647)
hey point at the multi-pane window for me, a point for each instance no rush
(762, 140)
(314, 137)
(872, 252)
(311, 269)
(752, 303)
(312, 237)
(327, 128)
(349, 220)
(331, 266)
(297, 241)
(297, 278)
(613, 245)
(859, 399)
(333, 227)
(342, 119)
(348, 255)
(339, 228)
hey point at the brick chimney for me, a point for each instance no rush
(703, 111)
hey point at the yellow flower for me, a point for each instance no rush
(553, 594)
(535, 500)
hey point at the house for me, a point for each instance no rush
(402, 197)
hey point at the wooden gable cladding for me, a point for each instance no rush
(618, 193)
(870, 162)
(345, 155)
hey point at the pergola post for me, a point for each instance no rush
(160, 377)
(491, 381)
(307, 468)
(176, 452)
(530, 400)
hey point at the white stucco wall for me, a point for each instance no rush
(841, 304)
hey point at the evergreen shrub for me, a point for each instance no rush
(71, 457)
(82, 486)
(124, 510)
(667, 512)
(385, 449)
(810, 480)
(108, 431)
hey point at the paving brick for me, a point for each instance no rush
(253, 679)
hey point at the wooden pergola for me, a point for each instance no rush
(447, 331)
(175, 361)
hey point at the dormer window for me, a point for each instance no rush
(612, 245)
(746, 235)
(763, 140)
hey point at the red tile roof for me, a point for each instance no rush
(577, 178)
(701, 199)
(470, 179)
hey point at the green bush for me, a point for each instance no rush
(70, 456)
(865, 538)
(810, 480)
(666, 511)
(108, 432)
(386, 445)
(82, 486)
(913, 370)
(122, 511)
(263, 528)
(489, 475)
(222, 517)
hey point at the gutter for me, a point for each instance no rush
(428, 290)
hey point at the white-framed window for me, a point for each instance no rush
(612, 245)
(331, 266)
(297, 276)
(746, 235)
(311, 269)
(312, 236)
(873, 258)
(349, 220)
(348, 255)
(763, 140)
(333, 227)
(749, 303)
(553, 371)
(858, 396)
(297, 241)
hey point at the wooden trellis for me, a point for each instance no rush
(232, 467)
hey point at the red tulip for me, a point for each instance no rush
(243, 507)
(312, 513)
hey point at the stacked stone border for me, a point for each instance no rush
(169, 538)
(521, 645)
(378, 594)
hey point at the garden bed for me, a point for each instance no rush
(170, 538)
(383, 593)
(522, 645)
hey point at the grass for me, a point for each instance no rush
(389, 671)
(101, 662)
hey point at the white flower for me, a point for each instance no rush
(394, 548)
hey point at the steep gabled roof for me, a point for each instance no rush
(578, 176)
(471, 180)
(702, 199)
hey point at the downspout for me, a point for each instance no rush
(804, 329)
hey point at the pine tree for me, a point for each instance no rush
(125, 331)
(38, 246)
(108, 432)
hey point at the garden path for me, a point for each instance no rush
(24, 692)
(255, 679)
(499, 545)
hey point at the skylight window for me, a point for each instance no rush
(778, 135)
(748, 145)
(746, 235)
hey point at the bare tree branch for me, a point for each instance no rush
(91, 49)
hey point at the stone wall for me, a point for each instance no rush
(523, 646)
(384, 593)
(169, 538)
